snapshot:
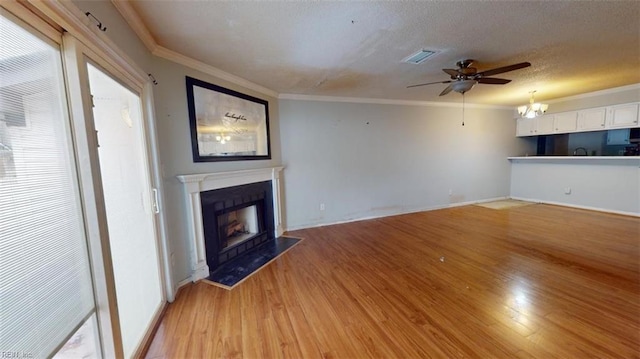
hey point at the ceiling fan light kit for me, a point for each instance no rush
(534, 109)
(463, 86)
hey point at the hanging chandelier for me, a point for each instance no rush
(222, 138)
(533, 109)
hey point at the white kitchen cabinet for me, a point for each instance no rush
(622, 116)
(544, 125)
(592, 119)
(566, 122)
(525, 127)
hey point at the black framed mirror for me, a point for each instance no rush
(226, 125)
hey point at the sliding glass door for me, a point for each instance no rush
(129, 203)
(46, 288)
(80, 268)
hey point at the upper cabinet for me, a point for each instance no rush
(526, 127)
(622, 116)
(544, 124)
(534, 126)
(592, 119)
(565, 122)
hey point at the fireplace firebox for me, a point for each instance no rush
(236, 220)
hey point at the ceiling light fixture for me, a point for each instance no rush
(533, 109)
(463, 86)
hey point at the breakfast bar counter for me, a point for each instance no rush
(604, 183)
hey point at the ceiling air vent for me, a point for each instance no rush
(419, 57)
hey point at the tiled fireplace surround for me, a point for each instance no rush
(194, 184)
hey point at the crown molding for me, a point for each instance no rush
(177, 57)
(596, 93)
(381, 101)
(135, 22)
(138, 26)
(68, 16)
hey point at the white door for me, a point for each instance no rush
(129, 203)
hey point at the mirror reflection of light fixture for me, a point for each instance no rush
(222, 138)
(533, 109)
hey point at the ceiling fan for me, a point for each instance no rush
(465, 77)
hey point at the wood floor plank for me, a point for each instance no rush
(536, 281)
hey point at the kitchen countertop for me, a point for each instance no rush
(587, 160)
(580, 158)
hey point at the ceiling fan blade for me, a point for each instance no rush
(493, 81)
(431, 83)
(453, 73)
(500, 70)
(447, 90)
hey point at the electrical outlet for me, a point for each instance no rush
(322, 206)
(450, 192)
(567, 190)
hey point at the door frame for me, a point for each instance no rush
(77, 56)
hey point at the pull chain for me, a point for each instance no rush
(463, 109)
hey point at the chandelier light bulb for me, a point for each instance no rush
(222, 138)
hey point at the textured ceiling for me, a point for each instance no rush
(355, 48)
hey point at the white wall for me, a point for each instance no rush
(607, 184)
(367, 160)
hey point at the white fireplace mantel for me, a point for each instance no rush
(196, 183)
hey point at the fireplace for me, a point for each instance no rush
(239, 226)
(200, 188)
(236, 220)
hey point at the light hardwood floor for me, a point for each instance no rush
(536, 281)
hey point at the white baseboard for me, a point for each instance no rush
(181, 284)
(590, 208)
(395, 213)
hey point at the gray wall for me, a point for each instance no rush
(369, 160)
(119, 31)
(175, 150)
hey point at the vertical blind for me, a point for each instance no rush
(45, 280)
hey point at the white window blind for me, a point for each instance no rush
(45, 279)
